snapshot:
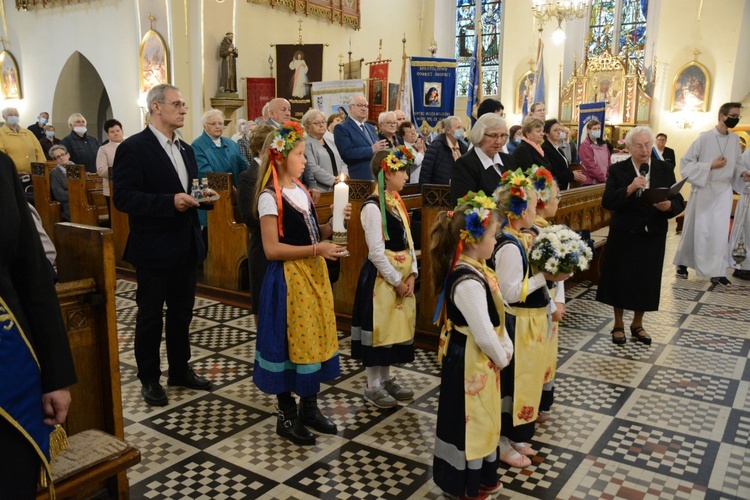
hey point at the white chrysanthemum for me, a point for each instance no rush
(536, 254)
(552, 265)
(278, 144)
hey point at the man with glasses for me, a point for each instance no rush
(152, 173)
(713, 166)
(358, 141)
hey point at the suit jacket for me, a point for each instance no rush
(438, 162)
(469, 174)
(355, 147)
(526, 155)
(319, 170)
(629, 213)
(558, 165)
(145, 183)
(668, 155)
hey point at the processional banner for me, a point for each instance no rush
(433, 91)
(333, 97)
(588, 111)
(259, 92)
(378, 85)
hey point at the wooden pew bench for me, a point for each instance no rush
(49, 209)
(87, 203)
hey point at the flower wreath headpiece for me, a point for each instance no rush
(516, 183)
(397, 160)
(541, 180)
(284, 140)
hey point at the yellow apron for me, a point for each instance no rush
(393, 317)
(552, 345)
(311, 321)
(481, 378)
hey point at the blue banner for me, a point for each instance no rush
(433, 90)
(475, 80)
(585, 113)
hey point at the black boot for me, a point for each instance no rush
(309, 415)
(289, 426)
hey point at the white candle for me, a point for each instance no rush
(340, 200)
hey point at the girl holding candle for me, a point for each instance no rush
(385, 308)
(526, 320)
(474, 347)
(297, 346)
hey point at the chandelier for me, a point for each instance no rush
(544, 10)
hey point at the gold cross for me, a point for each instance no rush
(299, 42)
(151, 20)
(4, 42)
(695, 53)
(531, 65)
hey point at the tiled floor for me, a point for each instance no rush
(670, 420)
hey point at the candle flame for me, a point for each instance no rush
(342, 178)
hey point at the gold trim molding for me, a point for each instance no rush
(342, 12)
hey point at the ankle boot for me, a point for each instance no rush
(310, 415)
(289, 426)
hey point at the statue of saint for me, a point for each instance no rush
(228, 72)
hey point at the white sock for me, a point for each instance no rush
(374, 378)
(385, 373)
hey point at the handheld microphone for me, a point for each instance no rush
(644, 173)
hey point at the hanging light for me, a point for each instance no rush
(562, 10)
(558, 36)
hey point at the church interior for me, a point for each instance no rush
(666, 420)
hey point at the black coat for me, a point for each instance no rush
(469, 174)
(145, 184)
(558, 165)
(526, 155)
(437, 165)
(668, 156)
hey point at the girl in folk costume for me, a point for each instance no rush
(297, 346)
(526, 321)
(385, 308)
(548, 198)
(474, 347)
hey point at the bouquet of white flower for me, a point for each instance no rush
(558, 249)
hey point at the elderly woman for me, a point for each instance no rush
(215, 153)
(323, 160)
(529, 151)
(632, 265)
(387, 125)
(58, 179)
(48, 140)
(553, 148)
(437, 166)
(480, 169)
(594, 154)
(83, 147)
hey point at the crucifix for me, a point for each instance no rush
(4, 42)
(531, 65)
(299, 41)
(151, 20)
(341, 66)
(695, 53)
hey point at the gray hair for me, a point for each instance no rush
(264, 110)
(310, 116)
(640, 130)
(385, 115)
(57, 147)
(210, 114)
(488, 121)
(8, 110)
(351, 99)
(156, 94)
(446, 124)
(74, 118)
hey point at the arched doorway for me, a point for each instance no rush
(80, 89)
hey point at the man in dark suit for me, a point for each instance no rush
(480, 169)
(357, 141)
(661, 152)
(152, 174)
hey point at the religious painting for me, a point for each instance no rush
(377, 92)
(607, 87)
(298, 66)
(154, 61)
(393, 103)
(524, 91)
(690, 89)
(432, 94)
(11, 76)
(378, 88)
(744, 135)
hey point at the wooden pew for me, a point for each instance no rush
(227, 239)
(120, 225)
(49, 209)
(87, 205)
(87, 298)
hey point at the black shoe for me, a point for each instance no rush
(720, 280)
(190, 380)
(310, 415)
(640, 335)
(290, 427)
(682, 272)
(741, 274)
(619, 340)
(154, 394)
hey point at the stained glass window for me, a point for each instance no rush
(620, 26)
(465, 40)
(633, 32)
(601, 26)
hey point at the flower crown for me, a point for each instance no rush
(541, 180)
(398, 159)
(477, 217)
(285, 138)
(516, 183)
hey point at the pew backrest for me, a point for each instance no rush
(49, 209)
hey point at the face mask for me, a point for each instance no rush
(729, 122)
(458, 134)
(596, 134)
(42, 121)
(49, 134)
(517, 140)
(563, 136)
(13, 121)
(79, 130)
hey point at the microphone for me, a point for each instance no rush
(644, 173)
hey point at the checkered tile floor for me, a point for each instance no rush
(670, 420)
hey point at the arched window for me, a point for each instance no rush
(620, 26)
(491, 16)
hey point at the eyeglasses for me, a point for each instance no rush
(177, 105)
(734, 116)
(494, 137)
(215, 124)
(361, 105)
(319, 122)
(390, 123)
(57, 157)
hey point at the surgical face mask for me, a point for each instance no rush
(517, 140)
(458, 133)
(563, 136)
(729, 122)
(50, 134)
(79, 130)
(596, 134)
(42, 121)
(12, 121)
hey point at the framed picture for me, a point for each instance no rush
(690, 88)
(154, 61)
(11, 76)
(297, 67)
(523, 91)
(432, 94)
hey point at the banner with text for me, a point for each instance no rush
(585, 113)
(333, 97)
(378, 85)
(433, 91)
(259, 92)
